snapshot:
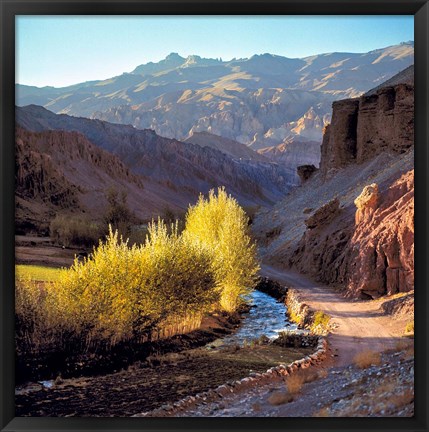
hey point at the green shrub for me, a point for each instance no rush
(68, 230)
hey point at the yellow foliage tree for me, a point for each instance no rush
(221, 226)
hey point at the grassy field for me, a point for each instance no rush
(37, 273)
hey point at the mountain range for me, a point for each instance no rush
(259, 101)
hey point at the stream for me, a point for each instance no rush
(267, 317)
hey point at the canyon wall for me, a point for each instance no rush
(366, 245)
(364, 127)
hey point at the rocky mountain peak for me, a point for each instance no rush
(174, 56)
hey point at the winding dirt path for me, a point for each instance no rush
(359, 325)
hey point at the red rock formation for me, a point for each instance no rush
(365, 127)
(339, 140)
(324, 214)
(381, 250)
(373, 256)
(366, 202)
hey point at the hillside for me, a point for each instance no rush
(249, 100)
(225, 145)
(63, 172)
(173, 173)
(352, 223)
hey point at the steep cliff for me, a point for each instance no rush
(58, 171)
(367, 126)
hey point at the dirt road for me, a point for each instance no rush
(359, 325)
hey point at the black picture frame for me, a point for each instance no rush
(11, 8)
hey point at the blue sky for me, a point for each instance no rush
(64, 50)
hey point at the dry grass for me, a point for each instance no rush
(295, 382)
(323, 373)
(402, 399)
(402, 345)
(409, 352)
(280, 398)
(367, 358)
(406, 346)
(37, 273)
(323, 412)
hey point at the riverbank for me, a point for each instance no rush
(176, 368)
(66, 365)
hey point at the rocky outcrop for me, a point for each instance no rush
(339, 145)
(320, 250)
(367, 126)
(305, 172)
(366, 203)
(380, 255)
(324, 215)
(37, 177)
(372, 255)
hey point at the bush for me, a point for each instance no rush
(367, 358)
(37, 324)
(68, 230)
(320, 321)
(143, 292)
(122, 293)
(118, 214)
(409, 327)
(220, 225)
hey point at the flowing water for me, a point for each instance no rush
(266, 317)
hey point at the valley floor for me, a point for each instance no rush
(342, 389)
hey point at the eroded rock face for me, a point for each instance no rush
(372, 255)
(381, 249)
(320, 250)
(364, 127)
(324, 214)
(340, 141)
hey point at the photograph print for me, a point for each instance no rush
(214, 216)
